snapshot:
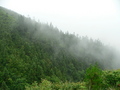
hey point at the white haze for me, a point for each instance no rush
(97, 19)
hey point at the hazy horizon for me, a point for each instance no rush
(97, 19)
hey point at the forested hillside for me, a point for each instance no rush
(31, 51)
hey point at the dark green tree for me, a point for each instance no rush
(4, 86)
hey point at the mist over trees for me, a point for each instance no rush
(31, 51)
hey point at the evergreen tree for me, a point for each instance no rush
(4, 86)
(31, 51)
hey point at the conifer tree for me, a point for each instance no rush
(4, 86)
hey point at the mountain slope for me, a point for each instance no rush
(30, 51)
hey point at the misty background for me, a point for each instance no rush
(97, 19)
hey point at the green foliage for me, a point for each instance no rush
(96, 80)
(4, 86)
(47, 85)
(93, 77)
(44, 85)
(31, 50)
(112, 78)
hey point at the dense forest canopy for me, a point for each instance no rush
(31, 51)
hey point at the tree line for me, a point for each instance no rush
(31, 51)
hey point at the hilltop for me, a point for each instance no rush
(31, 51)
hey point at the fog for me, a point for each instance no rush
(97, 19)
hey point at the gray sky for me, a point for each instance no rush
(97, 19)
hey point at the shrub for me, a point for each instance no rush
(44, 85)
(112, 78)
(47, 85)
(93, 78)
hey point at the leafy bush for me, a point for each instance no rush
(93, 78)
(44, 85)
(47, 85)
(112, 78)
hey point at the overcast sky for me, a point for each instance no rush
(97, 19)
